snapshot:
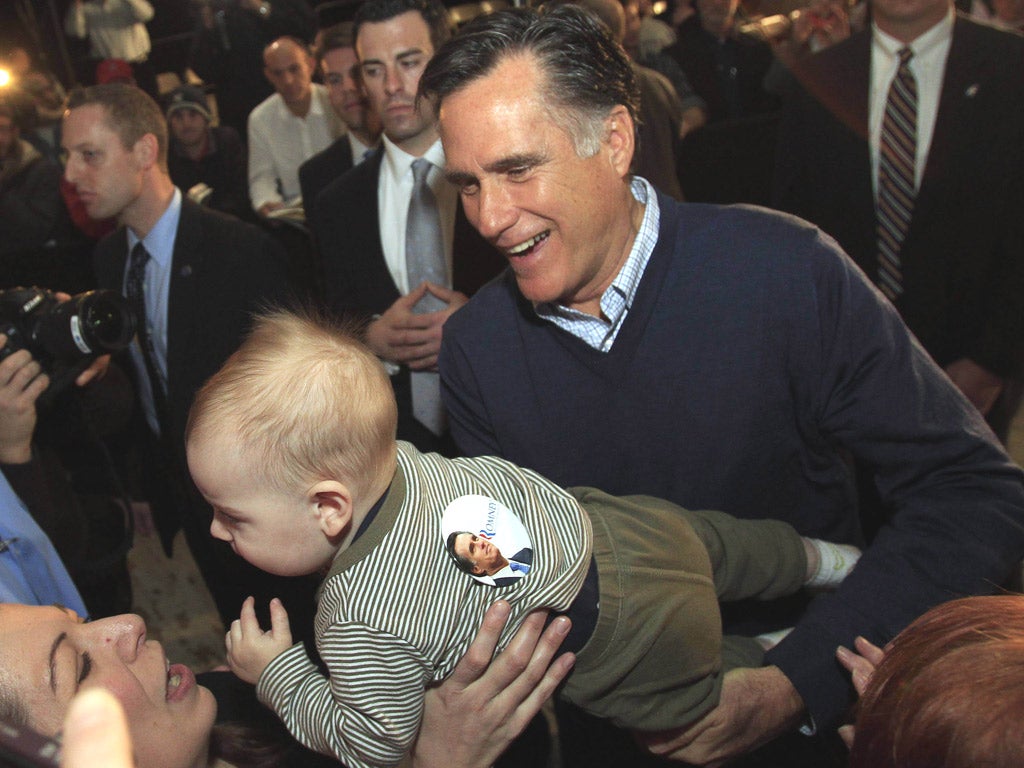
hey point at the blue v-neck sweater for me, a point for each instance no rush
(754, 361)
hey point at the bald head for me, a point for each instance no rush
(288, 65)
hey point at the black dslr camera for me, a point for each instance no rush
(64, 336)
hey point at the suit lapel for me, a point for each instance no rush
(181, 299)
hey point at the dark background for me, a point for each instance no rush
(39, 25)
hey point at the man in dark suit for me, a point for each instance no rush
(340, 68)
(193, 276)
(960, 271)
(360, 221)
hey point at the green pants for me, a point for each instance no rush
(657, 655)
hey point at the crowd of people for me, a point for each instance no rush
(407, 297)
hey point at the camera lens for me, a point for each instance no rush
(107, 321)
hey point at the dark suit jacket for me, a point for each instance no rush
(963, 257)
(524, 556)
(323, 168)
(345, 224)
(222, 270)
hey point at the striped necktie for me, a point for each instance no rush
(896, 162)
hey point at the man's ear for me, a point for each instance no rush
(147, 150)
(620, 136)
(333, 502)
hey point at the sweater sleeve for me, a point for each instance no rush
(367, 713)
(954, 500)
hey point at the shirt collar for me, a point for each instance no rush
(399, 162)
(316, 107)
(160, 240)
(627, 281)
(922, 44)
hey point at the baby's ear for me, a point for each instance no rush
(333, 506)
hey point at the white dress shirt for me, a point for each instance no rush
(279, 142)
(393, 194)
(929, 66)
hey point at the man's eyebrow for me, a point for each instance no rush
(53, 660)
(511, 162)
(502, 165)
(460, 178)
(410, 52)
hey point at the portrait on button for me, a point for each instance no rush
(486, 540)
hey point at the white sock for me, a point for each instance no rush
(835, 561)
(769, 640)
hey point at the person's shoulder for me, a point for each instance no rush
(111, 244)
(990, 45)
(747, 238)
(335, 154)
(226, 136)
(836, 60)
(356, 183)
(210, 223)
(263, 111)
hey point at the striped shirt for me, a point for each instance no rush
(600, 332)
(395, 613)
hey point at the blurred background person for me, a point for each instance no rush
(340, 68)
(227, 51)
(116, 29)
(206, 161)
(288, 127)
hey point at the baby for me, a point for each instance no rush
(293, 444)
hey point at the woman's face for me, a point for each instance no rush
(48, 654)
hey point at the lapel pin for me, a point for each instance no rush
(186, 271)
(971, 90)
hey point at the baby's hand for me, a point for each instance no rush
(249, 648)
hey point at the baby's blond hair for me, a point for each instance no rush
(306, 400)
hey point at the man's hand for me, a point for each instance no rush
(756, 706)
(21, 383)
(401, 336)
(861, 665)
(978, 384)
(471, 718)
(268, 207)
(249, 648)
(97, 370)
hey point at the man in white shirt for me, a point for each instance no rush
(361, 221)
(287, 128)
(116, 29)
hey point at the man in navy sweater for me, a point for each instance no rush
(725, 358)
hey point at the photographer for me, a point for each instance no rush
(85, 528)
(230, 36)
